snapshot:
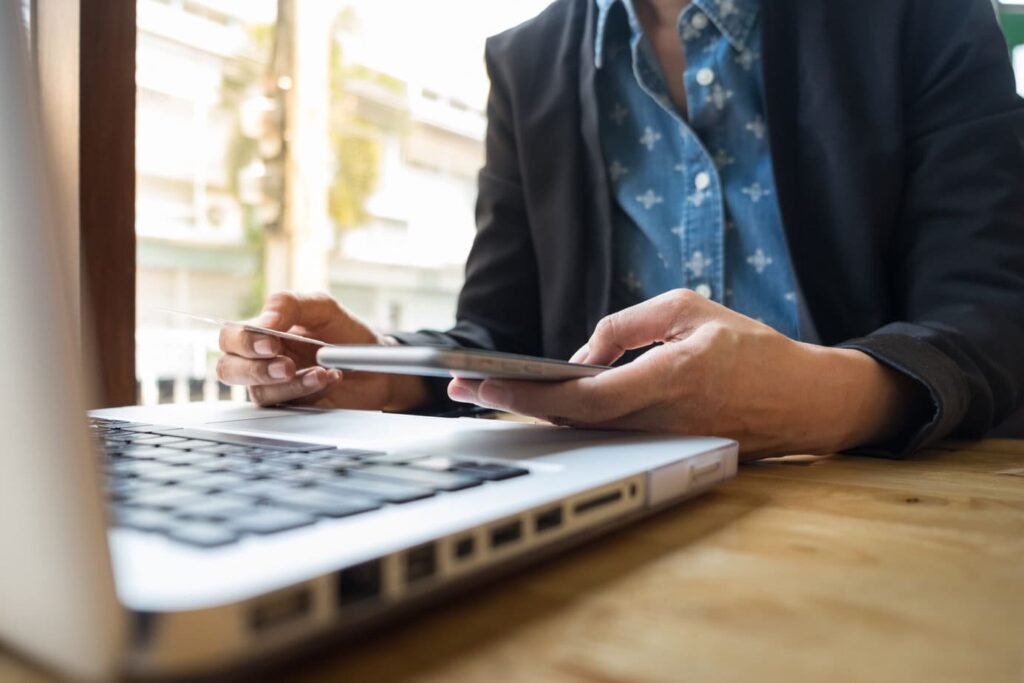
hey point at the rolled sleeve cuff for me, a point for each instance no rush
(942, 379)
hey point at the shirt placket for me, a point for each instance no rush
(703, 247)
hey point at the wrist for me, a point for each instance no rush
(867, 402)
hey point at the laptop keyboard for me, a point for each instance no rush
(211, 489)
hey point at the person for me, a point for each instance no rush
(801, 222)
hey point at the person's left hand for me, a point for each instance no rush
(715, 372)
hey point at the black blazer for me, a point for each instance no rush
(896, 141)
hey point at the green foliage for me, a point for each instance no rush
(358, 163)
(354, 141)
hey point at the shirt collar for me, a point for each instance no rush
(734, 18)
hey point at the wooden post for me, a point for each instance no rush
(107, 190)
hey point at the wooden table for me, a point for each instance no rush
(810, 569)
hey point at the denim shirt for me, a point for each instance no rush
(695, 202)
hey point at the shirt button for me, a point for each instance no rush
(705, 77)
(702, 181)
(704, 290)
(699, 21)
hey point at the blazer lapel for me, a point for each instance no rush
(782, 100)
(595, 182)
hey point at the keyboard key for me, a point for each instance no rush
(334, 462)
(203, 534)
(170, 475)
(165, 497)
(269, 520)
(289, 457)
(122, 489)
(264, 488)
(220, 462)
(143, 519)
(491, 472)
(219, 506)
(244, 440)
(445, 481)
(215, 481)
(172, 457)
(389, 492)
(307, 476)
(140, 452)
(261, 469)
(323, 502)
(115, 437)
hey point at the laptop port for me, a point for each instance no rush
(359, 583)
(420, 563)
(280, 609)
(549, 519)
(464, 548)
(598, 501)
(506, 533)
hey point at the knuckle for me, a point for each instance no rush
(685, 297)
(605, 328)
(255, 372)
(223, 365)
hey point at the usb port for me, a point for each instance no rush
(549, 519)
(359, 583)
(420, 563)
(506, 533)
(598, 501)
(464, 547)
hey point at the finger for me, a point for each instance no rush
(233, 369)
(668, 316)
(581, 354)
(463, 390)
(306, 386)
(239, 342)
(313, 314)
(610, 395)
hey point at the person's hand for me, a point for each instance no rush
(281, 371)
(715, 372)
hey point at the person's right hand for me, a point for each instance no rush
(281, 371)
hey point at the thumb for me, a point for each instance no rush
(317, 315)
(667, 316)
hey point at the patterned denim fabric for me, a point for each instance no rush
(695, 202)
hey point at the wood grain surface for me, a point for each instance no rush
(801, 569)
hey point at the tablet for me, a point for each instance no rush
(431, 361)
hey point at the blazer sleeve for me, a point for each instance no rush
(959, 255)
(498, 307)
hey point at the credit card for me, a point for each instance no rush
(220, 322)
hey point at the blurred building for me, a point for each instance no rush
(399, 268)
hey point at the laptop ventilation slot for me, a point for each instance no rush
(281, 609)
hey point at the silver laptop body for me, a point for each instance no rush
(87, 591)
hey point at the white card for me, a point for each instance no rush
(219, 322)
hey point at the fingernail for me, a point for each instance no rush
(460, 394)
(312, 380)
(580, 355)
(269, 318)
(494, 395)
(263, 347)
(278, 369)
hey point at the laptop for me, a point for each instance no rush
(192, 539)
